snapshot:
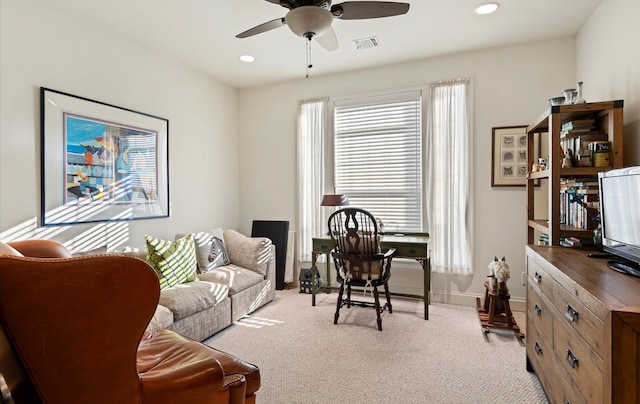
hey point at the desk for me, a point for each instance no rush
(410, 245)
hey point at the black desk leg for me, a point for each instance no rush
(314, 273)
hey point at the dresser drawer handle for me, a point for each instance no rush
(571, 359)
(537, 277)
(538, 349)
(571, 314)
(538, 310)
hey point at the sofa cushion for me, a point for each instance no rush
(210, 249)
(161, 319)
(174, 261)
(248, 252)
(132, 252)
(95, 251)
(233, 276)
(185, 299)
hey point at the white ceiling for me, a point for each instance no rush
(202, 33)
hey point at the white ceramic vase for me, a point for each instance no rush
(579, 99)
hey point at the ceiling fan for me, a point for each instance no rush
(313, 18)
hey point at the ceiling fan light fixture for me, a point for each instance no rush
(306, 20)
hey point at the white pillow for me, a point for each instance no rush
(210, 249)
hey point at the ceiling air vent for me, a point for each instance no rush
(366, 43)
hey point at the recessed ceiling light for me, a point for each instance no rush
(486, 8)
(247, 58)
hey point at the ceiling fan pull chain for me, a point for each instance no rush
(309, 65)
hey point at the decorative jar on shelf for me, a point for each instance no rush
(569, 96)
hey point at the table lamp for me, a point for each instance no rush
(335, 200)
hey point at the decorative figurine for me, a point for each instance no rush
(498, 273)
(543, 163)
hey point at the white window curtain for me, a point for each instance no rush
(311, 135)
(448, 185)
(378, 157)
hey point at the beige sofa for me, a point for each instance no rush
(219, 297)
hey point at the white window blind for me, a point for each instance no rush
(377, 157)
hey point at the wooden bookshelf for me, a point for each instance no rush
(608, 117)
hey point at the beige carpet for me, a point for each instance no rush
(304, 358)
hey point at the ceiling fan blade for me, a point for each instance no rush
(328, 40)
(359, 10)
(290, 4)
(267, 26)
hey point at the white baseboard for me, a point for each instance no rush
(468, 299)
(406, 278)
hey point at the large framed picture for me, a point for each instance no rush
(509, 156)
(101, 162)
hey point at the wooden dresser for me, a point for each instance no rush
(583, 327)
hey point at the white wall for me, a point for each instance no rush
(42, 45)
(608, 61)
(511, 86)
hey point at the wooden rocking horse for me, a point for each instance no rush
(496, 312)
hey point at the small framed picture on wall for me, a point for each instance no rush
(509, 156)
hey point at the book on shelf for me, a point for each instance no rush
(585, 182)
(572, 242)
(543, 239)
(578, 210)
(578, 124)
(580, 189)
(587, 191)
(578, 181)
(576, 242)
(575, 145)
(578, 132)
(582, 142)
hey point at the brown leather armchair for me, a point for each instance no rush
(73, 330)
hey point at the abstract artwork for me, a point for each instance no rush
(101, 162)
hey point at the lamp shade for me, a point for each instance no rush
(335, 200)
(311, 20)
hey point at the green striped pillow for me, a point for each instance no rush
(174, 261)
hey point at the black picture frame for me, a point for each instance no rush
(101, 162)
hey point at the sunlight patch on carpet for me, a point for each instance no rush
(257, 322)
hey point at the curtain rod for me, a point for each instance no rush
(316, 99)
(453, 81)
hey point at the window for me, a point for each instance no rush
(378, 157)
